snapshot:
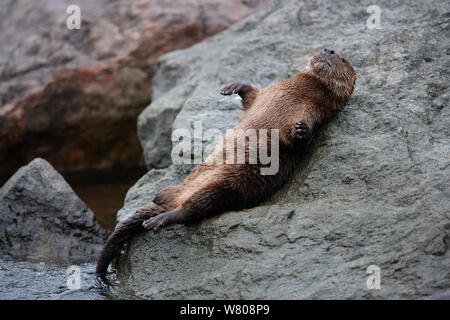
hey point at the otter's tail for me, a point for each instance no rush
(124, 232)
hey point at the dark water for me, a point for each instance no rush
(104, 200)
(104, 192)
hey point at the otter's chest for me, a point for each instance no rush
(270, 110)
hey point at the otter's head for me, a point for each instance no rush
(333, 70)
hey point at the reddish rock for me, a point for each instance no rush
(73, 96)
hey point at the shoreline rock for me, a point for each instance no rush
(373, 191)
(43, 220)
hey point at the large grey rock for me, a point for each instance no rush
(42, 219)
(373, 191)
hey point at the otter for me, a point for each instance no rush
(296, 106)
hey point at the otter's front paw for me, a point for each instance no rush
(234, 88)
(301, 131)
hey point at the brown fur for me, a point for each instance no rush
(296, 106)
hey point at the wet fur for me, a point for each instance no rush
(296, 106)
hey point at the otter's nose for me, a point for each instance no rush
(329, 51)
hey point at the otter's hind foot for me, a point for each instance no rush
(160, 221)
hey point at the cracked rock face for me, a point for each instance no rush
(43, 220)
(373, 191)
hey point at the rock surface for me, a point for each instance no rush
(42, 219)
(73, 96)
(373, 191)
